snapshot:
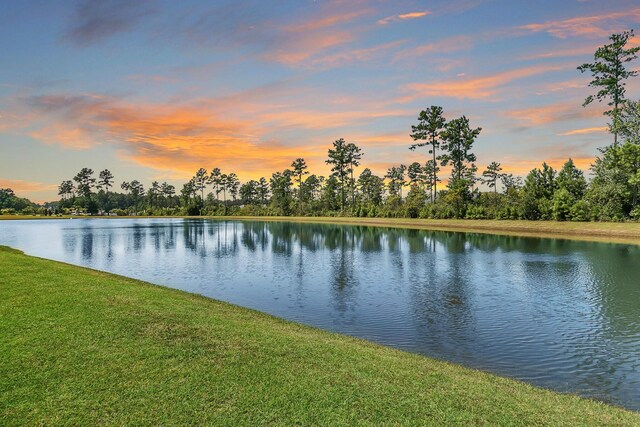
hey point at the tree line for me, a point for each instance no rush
(612, 194)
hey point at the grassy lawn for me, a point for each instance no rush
(83, 347)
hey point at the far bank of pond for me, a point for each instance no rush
(609, 232)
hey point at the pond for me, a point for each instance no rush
(556, 313)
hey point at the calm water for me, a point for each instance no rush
(560, 314)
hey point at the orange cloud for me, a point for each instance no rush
(585, 131)
(586, 26)
(552, 113)
(403, 17)
(561, 53)
(180, 139)
(521, 167)
(299, 42)
(58, 133)
(356, 55)
(473, 88)
(309, 119)
(20, 186)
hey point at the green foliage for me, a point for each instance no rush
(431, 124)
(609, 74)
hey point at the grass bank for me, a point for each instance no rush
(83, 347)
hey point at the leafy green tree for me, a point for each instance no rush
(281, 191)
(167, 191)
(249, 192)
(572, 179)
(395, 175)
(299, 170)
(431, 123)
(416, 200)
(629, 122)
(233, 184)
(331, 199)
(215, 179)
(263, 190)
(609, 74)
(66, 190)
(340, 159)
(136, 190)
(414, 173)
(627, 159)
(223, 185)
(354, 155)
(430, 180)
(200, 180)
(6, 198)
(491, 176)
(510, 182)
(563, 201)
(85, 182)
(457, 142)
(153, 193)
(310, 188)
(607, 193)
(538, 190)
(371, 187)
(570, 188)
(105, 180)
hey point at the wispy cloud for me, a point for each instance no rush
(403, 17)
(473, 88)
(20, 186)
(178, 138)
(552, 113)
(601, 25)
(95, 21)
(583, 131)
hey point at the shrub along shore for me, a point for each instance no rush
(79, 346)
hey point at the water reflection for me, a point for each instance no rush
(558, 313)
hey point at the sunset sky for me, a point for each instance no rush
(153, 90)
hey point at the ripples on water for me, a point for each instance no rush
(557, 313)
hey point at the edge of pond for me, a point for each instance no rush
(601, 232)
(553, 396)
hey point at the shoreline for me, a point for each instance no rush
(602, 232)
(98, 343)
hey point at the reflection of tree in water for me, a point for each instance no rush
(344, 279)
(87, 243)
(254, 234)
(137, 237)
(441, 294)
(226, 234)
(371, 240)
(194, 235)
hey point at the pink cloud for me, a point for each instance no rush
(473, 88)
(403, 17)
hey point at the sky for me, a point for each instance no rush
(155, 89)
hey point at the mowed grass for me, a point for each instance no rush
(82, 347)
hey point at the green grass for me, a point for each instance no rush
(82, 347)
